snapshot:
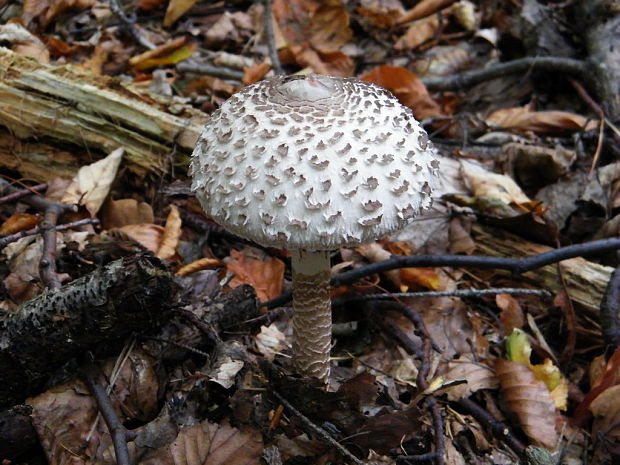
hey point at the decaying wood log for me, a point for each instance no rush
(96, 112)
(94, 313)
(586, 281)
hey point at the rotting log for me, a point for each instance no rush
(586, 281)
(99, 113)
(94, 313)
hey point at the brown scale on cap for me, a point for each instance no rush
(313, 163)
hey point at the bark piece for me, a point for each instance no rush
(95, 112)
(96, 312)
(586, 281)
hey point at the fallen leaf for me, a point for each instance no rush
(199, 265)
(314, 32)
(170, 53)
(418, 33)
(425, 277)
(22, 41)
(423, 9)
(176, 9)
(529, 399)
(91, 185)
(511, 314)
(171, 235)
(382, 13)
(147, 234)
(45, 11)
(493, 185)
(119, 213)
(252, 74)
(210, 444)
(546, 122)
(478, 376)
(265, 276)
(606, 411)
(19, 222)
(407, 88)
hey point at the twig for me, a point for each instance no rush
(270, 38)
(571, 66)
(610, 311)
(23, 193)
(320, 432)
(455, 293)
(120, 435)
(209, 70)
(4, 241)
(424, 353)
(499, 429)
(517, 266)
(130, 25)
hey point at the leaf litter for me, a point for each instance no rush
(203, 390)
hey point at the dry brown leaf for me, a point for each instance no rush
(96, 60)
(265, 276)
(45, 11)
(314, 31)
(176, 9)
(478, 376)
(492, 185)
(121, 212)
(230, 28)
(374, 252)
(199, 265)
(19, 222)
(445, 61)
(255, 73)
(148, 5)
(606, 411)
(418, 33)
(63, 417)
(170, 53)
(171, 236)
(523, 119)
(381, 13)
(429, 278)
(511, 314)
(210, 444)
(423, 9)
(22, 41)
(147, 234)
(136, 386)
(529, 399)
(91, 185)
(407, 88)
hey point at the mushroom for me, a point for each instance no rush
(311, 164)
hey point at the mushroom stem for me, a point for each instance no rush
(312, 321)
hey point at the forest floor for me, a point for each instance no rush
(134, 329)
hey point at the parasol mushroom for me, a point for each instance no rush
(311, 164)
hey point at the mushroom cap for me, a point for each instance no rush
(313, 162)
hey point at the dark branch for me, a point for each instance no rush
(577, 68)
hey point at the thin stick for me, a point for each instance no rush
(130, 25)
(517, 266)
(120, 435)
(36, 230)
(561, 65)
(320, 432)
(455, 293)
(23, 193)
(270, 38)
